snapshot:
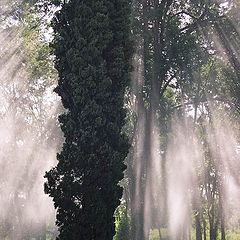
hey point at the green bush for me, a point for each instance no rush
(122, 223)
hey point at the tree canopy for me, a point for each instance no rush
(93, 50)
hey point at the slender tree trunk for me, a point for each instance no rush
(211, 226)
(198, 226)
(204, 229)
(223, 233)
(139, 191)
(222, 211)
(160, 233)
(164, 209)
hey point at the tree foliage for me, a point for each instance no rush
(185, 62)
(93, 49)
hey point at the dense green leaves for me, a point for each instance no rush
(93, 53)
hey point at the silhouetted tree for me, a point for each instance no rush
(93, 51)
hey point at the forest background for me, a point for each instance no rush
(182, 120)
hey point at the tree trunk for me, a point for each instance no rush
(198, 226)
(204, 229)
(223, 234)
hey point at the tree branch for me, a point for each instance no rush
(184, 13)
(167, 84)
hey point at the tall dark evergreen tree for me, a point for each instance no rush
(93, 50)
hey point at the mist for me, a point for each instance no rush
(29, 137)
(182, 178)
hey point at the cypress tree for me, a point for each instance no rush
(93, 50)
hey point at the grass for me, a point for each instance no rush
(230, 235)
(233, 235)
(154, 235)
